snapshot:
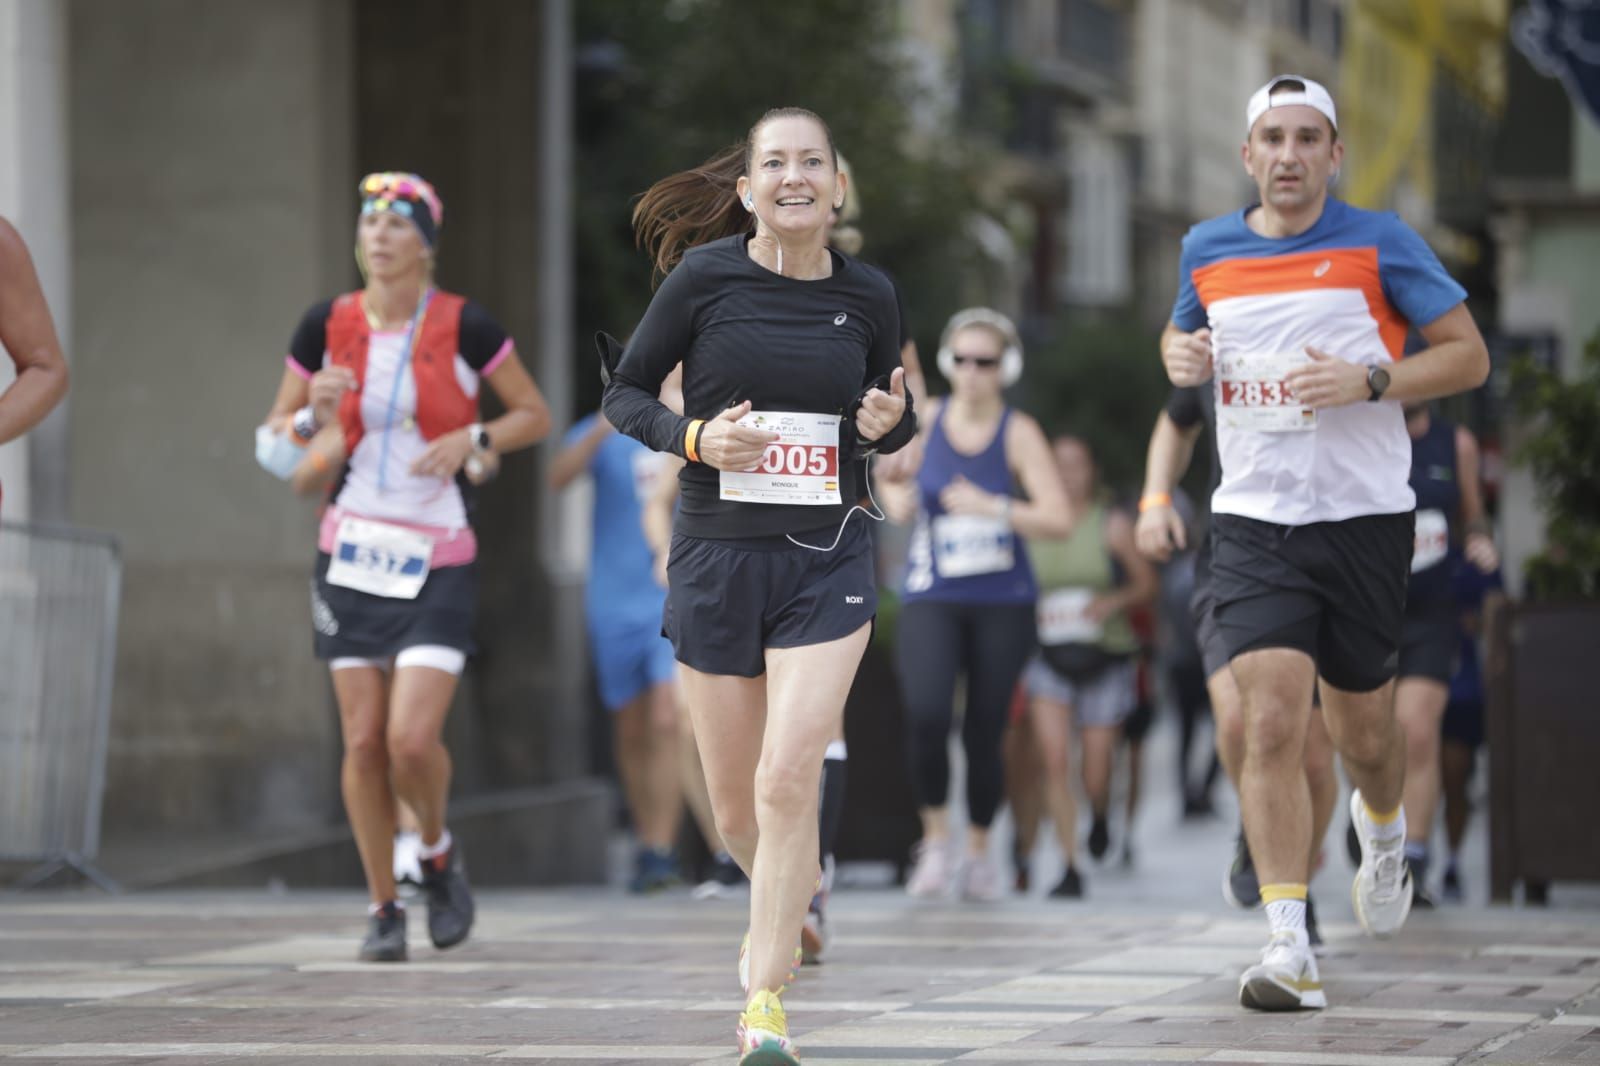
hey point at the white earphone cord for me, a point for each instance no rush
(878, 517)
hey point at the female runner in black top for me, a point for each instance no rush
(791, 355)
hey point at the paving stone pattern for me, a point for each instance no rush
(600, 977)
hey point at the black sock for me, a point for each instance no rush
(831, 808)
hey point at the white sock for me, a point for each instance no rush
(433, 851)
(1287, 915)
(836, 750)
(1392, 830)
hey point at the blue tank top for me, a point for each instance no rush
(965, 558)
(1435, 480)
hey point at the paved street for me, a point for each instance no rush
(1143, 970)
(598, 977)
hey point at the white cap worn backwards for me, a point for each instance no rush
(1270, 95)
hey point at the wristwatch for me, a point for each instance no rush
(1377, 383)
(479, 437)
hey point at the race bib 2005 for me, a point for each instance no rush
(800, 467)
(1252, 393)
(380, 559)
(1433, 540)
(969, 544)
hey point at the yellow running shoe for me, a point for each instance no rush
(763, 1033)
(744, 963)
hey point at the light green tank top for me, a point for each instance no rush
(1083, 561)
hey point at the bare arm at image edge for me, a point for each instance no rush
(29, 337)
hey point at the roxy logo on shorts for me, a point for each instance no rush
(855, 599)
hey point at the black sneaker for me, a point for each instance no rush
(1071, 886)
(450, 906)
(1240, 885)
(1452, 884)
(1099, 838)
(1313, 934)
(386, 935)
(726, 879)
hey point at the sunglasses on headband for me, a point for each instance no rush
(982, 362)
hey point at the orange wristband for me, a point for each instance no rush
(1154, 499)
(691, 438)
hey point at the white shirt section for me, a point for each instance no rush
(380, 483)
(1357, 461)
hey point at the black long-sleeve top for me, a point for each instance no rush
(746, 333)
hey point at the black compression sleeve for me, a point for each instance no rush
(310, 338)
(660, 342)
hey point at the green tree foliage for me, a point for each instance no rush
(1563, 451)
(663, 86)
(1101, 379)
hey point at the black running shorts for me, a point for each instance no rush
(1202, 607)
(728, 601)
(348, 623)
(1428, 645)
(1334, 590)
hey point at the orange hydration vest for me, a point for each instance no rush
(442, 405)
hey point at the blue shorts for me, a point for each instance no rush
(629, 661)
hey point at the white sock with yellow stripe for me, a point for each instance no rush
(1286, 908)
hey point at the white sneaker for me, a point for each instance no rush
(980, 881)
(930, 878)
(1286, 977)
(1382, 889)
(407, 862)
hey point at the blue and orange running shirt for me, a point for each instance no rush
(1352, 285)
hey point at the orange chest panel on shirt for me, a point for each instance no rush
(442, 404)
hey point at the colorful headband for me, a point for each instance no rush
(403, 194)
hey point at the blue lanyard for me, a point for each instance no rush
(399, 376)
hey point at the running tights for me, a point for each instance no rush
(990, 644)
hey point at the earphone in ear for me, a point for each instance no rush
(749, 202)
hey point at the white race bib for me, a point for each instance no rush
(968, 544)
(1252, 393)
(800, 467)
(1433, 540)
(1062, 619)
(380, 559)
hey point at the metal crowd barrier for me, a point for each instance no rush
(59, 593)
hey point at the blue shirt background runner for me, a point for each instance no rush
(622, 591)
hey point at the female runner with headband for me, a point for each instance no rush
(380, 402)
(791, 370)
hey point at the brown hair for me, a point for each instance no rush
(698, 205)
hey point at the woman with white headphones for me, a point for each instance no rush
(969, 591)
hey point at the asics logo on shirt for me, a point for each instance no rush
(1322, 268)
(839, 318)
